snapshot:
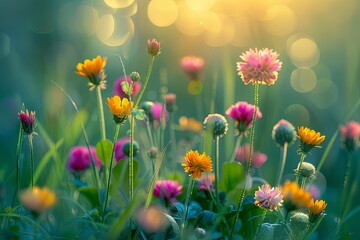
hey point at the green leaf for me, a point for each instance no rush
(121, 176)
(233, 175)
(206, 219)
(91, 193)
(139, 114)
(173, 223)
(126, 87)
(104, 150)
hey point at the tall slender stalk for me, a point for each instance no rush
(18, 150)
(282, 164)
(101, 113)
(303, 155)
(146, 81)
(31, 160)
(248, 164)
(237, 145)
(131, 159)
(216, 165)
(187, 203)
(110, 171)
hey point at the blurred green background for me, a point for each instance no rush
(318, 42)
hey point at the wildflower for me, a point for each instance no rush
(316, 207)
(294, 196)
(284, 132)
(156, 113)
(190, 125)
(126, 148)
(153, 47)
(153, 152)
(119, 91)
(243, 155)
(192, 66)
(94, 71)
(167, 190)
(206, 183)
(266, 197)
(200, 233)
(242, 113)
(307, 170)
(298, 224)
(37, 200)
(152, 219)
(135, 76)
(259, 66)
(119, 108)
(118, 150)
(79, 159)
(309, 139)
(27, 121)
(350, 135)
(195, 164)
(170, 100)
(216, 124)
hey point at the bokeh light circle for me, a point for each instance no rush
(118, 3)
(303, 79)
(162, 13)
(200, 5)
(4, 45)
(325, 94)
(190, 22)
(297, 114)
(280, 20)
(221, 32)
(303, 51)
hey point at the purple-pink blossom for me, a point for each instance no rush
(27, 121)
(242, 113)
(243, 155)
(156, 112)
(267, 197)
(79, 158)
(119, 153)
(350, 135)
(192, 66)
(206, 182)
(259, 66)
(167, 190)
(119, 91)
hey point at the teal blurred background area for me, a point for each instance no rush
(41, 41)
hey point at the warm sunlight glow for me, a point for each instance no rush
(162, 13)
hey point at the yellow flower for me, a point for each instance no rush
(94, 71)
(294, 196)
(38, 199)
(309, 139)
(190, 124)
(196, 164)
(120, 108)
(316, 207)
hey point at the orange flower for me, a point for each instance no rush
(309, 139)
(190, 124)
(196, 164)
(38, 200)
(316, 207)
(94, 71)
(120, 108)
(294, 196)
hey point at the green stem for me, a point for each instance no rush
(173, 137)
(110, 172)
(282, 166)
(303, 155)
(101, 113)
(216, 170)
(151, 139)
(236, 147)
(146, 81)
(31, 161)
(303, 180)
(261, 222)
(187, 203)
(131, 159)
(18, 150)
(248, 164)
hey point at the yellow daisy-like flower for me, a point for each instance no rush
(195, 164)
(294, 196)
(120, 108)
(309, 139)
(94, 71)
(316, 207)
(38, 199)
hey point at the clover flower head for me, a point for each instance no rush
(267, 197)
(120, 92)
(192, 66)
(216, 124)
(79, 159)
(350, 135)
(27, 121)
(167, 190)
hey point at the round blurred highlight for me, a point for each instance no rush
(303, 79)
(303, 51)
(190, 22)
(220, 30)
(162, 13)
(280, 20)
(298, 115)
(118, 3)
(325, 94)
(200, 5)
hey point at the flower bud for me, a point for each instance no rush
(126, 148)
(153, 47)
(298, 223)
(135, 76)
(307, 170)
(284, 132)
(170, 100)
(200, 233)
(216, 124)
(27, 121)
(153, 152)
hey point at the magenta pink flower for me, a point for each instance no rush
(167, 190)
(153, 47)
(242, 113)
(79, 159)
(259, 66)
(156, 110)
(170, 100)
(27, 121)
(206, 182)
(192, 66)
(243, 155)
(350, 135)
(267, 197)
(118, 89)
(119, 153)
